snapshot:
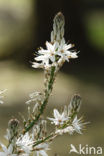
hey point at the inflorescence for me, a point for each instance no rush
(33, 138)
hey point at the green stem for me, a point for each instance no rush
(45, 139)
(45, 101)
(68, 122)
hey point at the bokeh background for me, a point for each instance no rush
(24, 26)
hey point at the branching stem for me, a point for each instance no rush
(45, 139)
(45, 101)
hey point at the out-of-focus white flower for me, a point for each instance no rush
(7, 151)
(78, 124)
(25, 142)
(68, 129)
(58, 119)
(1, 95)
(41, 149)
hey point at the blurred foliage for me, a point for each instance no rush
(15, 25)
(94, 24)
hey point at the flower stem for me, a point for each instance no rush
(45, 101)
(69, 122)
(45, 139)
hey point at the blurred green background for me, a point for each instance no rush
(24, 26)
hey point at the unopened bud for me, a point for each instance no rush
(59, 19)
(58, 28)
(75, 103)
(13, 124)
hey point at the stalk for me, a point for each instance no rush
(45, 139)
(45, 101)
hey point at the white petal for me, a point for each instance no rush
(49, 46)
(63, 115)
(40, 58)
(37, 65)
(74, 55)
(4, 148)
(43, 51)
(52, 119)
(56, 114)
(43, 153)
(52, 58)
(66, 47)
(10, 149)
(2, 154)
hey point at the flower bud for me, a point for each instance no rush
(75, 104)
(13, 124)
(58, 28)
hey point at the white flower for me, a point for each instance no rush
(7, 151)
(45, 56)
(78, 125)
(1, 96)
(65, 53)
(57, 51)
(68, 129)
(54, 55)
(25, 143)
(58, 119)
(41, 149)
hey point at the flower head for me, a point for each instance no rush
(58, 119)
(78, 124)
(65, 52)
(57, 51)
(46, 56)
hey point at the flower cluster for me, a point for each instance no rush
(25, 144)
(57, 51)
(33, 139)
(67, 122)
